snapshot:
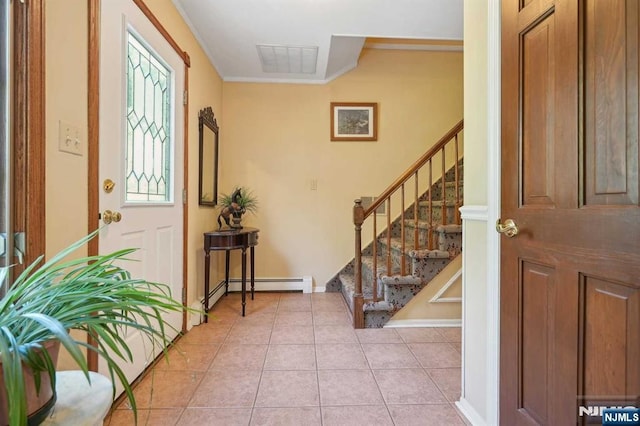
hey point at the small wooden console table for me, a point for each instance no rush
(227, 240)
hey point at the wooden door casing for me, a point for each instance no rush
(570, 281)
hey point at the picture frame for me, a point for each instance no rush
(354, 121)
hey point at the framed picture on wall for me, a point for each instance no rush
(354, 121)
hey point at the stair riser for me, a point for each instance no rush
(450, 194)
(423, 212)
(443, 241)
(396, 256)
(451, 242)
(376, 319)
(347, 294)
(368, 278)
(428, 268)
(399, 295)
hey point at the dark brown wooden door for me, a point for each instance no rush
(570, 280)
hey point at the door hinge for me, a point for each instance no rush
(19, 246)
(184, 295)
(185, 97)
(184, 196)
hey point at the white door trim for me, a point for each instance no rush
(493, 210)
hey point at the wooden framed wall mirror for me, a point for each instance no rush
(208, 180)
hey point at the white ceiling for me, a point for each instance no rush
(230, 30)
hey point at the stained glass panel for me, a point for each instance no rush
(148, 152)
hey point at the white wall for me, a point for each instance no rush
(479, 400)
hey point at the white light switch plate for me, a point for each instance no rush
(69, 139)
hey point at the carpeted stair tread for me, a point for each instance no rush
(399, 280)
(380, 305)
(449, 229)
(438, 227)
(367, 262)
(429, 254)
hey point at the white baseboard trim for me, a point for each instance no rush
(423, 323)
(470, 413)
(304, 283)
(320, 289)
(195, 318)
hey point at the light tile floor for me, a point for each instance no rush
(295, 359)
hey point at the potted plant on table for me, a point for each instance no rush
(235, 204)
(91, 294)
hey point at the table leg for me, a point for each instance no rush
(253, 277)
(244, 278)
(226, 272)
(207, 264)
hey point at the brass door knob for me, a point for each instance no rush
(509, 228)
(108, 216)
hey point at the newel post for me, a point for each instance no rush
(358, 300)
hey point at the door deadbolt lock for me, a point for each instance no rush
(108, 216)
(108, 185)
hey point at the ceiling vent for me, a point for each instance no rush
(288, 59)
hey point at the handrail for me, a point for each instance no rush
(415, 167)
(360, 214)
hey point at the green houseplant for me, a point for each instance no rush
(91, 294)
(235, 204)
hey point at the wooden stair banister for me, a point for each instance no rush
(360, 214)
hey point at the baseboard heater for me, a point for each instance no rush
(303, 284)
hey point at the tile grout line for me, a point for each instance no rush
(315, 353)
(255, 398)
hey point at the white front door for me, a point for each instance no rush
(141, 151)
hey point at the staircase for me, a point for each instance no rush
(408, 251)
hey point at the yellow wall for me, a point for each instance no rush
(275, 140)
(66, 99)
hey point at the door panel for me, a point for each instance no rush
(611, 95)
(610, 316)
(570, 279)
(538, 295)
(538, 107)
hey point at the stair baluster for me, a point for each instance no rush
(358, 299)
(375, 259)
(416, 234)
(443, 190)
(457, 186)
(402, 237)
(430, 212)
(388, 237)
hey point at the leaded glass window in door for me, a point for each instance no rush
(148, 148)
